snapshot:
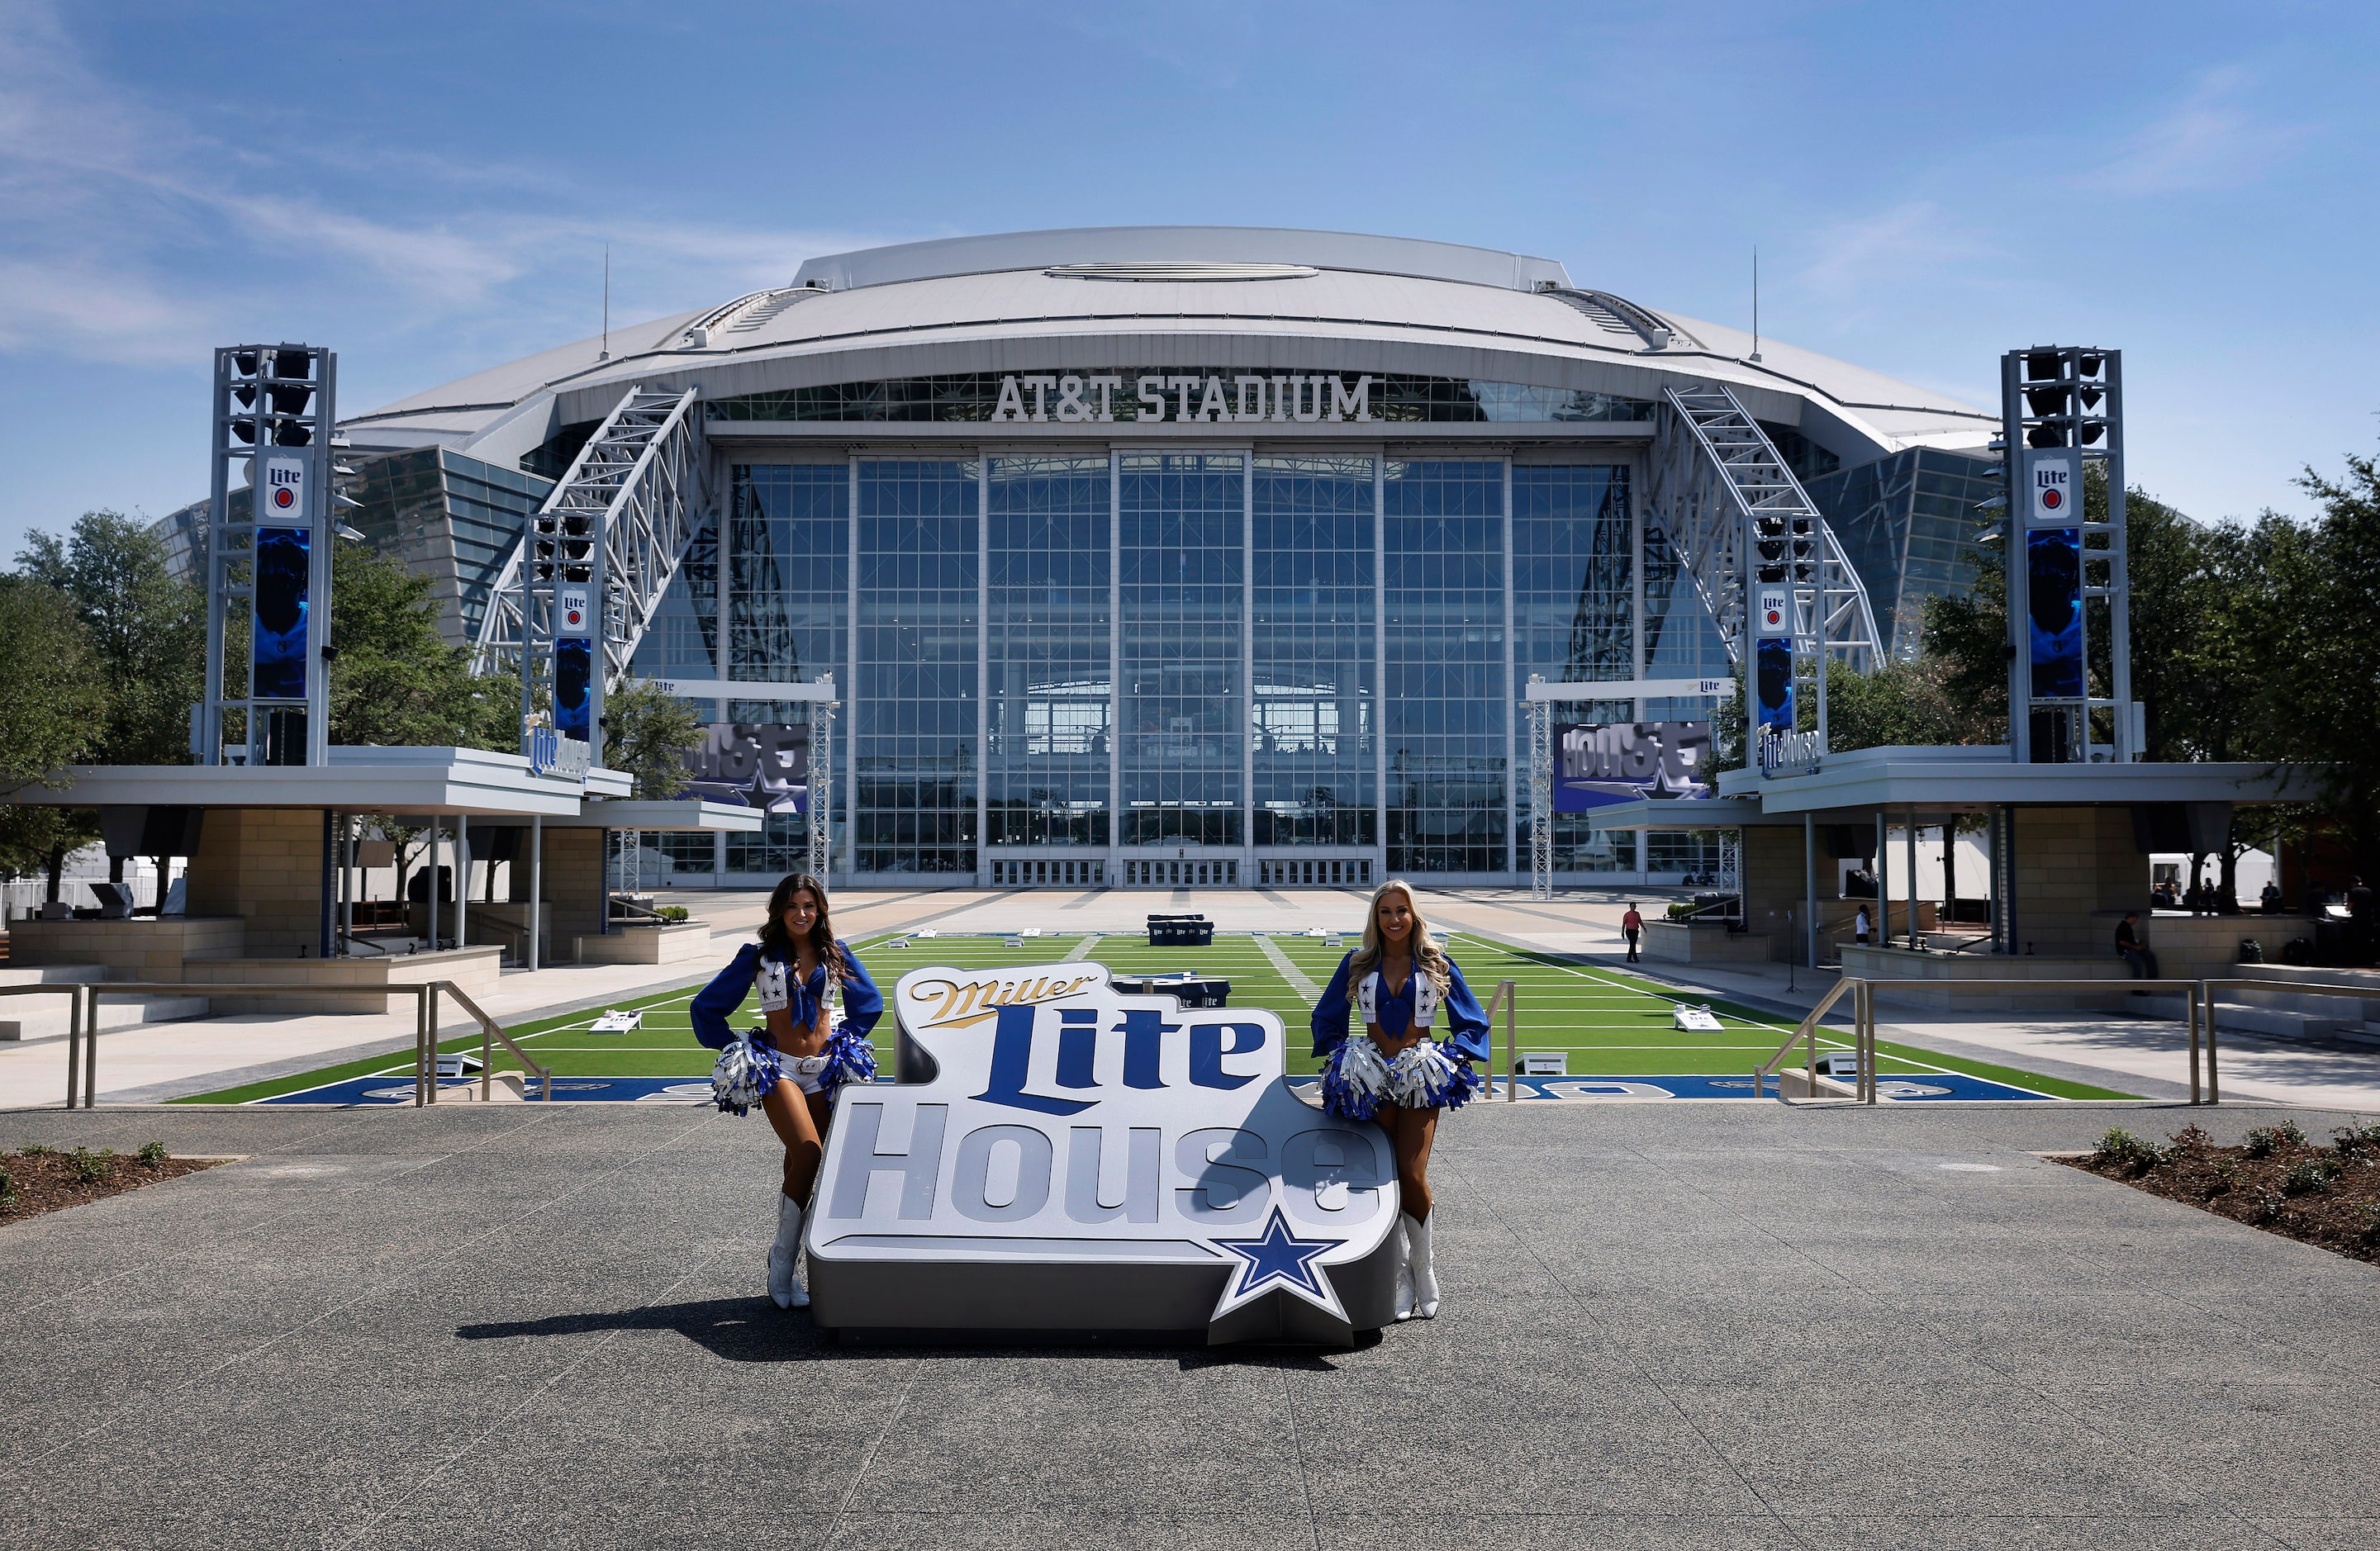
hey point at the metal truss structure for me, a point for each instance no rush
(1729, 505)
(617, 525)
(1541, 794)
(821, 794)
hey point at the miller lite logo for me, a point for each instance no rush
(1776, 610)
(285, 487)
(573, 608)
(1060, 1156)
(2056, 483)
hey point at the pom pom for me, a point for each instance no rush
(744, 1074)
(1355, 1079)
(849, 1058)
(1424, 1077)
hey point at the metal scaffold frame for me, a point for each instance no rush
(618, 523)
(1734, 511)
(821, 793)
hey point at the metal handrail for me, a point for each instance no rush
(1508, 995)
(83, 1028)
(2191, 990)
(490, 1029)
(1807, 1035)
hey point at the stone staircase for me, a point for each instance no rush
(2277, 1009)
(38, 1018)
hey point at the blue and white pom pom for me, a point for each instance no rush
(1424, 1077)
(744, 1074)
(1355, 1079)
(849, 1058)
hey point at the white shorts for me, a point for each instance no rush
(806, 1072)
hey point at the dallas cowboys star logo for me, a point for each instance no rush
(1282, 1259)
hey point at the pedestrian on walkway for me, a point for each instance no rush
(1392, 1070)
(1859, 926)
(791, 1063)
(1632, 927)
(2132, 951)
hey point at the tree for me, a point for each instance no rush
(646, 730)
(145, 626)
(395, 682)
(53, 702)
(2319, 670)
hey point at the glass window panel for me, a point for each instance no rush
(1443, 633)
(1046, 730)
(1181, 518)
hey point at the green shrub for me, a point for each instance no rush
(8, 1187)
(2266, 1140)
(2117, 1147)
(673, 913)
(2310, 1176)
(92, 1167)
(2357, 1139)
(2222, 1177)
(152, 1153)
(34, 1149)
(2190, 1139)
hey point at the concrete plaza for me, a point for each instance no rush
(1666, 1325)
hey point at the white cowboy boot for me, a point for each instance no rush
(783, 1285)
(1404, 1271)
(1425, 1275)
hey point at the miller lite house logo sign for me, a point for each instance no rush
(1060, 1156)
(1073, 398)
(2056, 487)
(284, 490)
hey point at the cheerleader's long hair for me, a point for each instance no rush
(1428, 957)
(778, 943)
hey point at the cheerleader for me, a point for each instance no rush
(1396, 1073)
(791, 1064)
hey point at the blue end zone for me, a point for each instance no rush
(396, 1087)
(1902, 1087)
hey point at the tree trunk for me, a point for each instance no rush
(57, 867)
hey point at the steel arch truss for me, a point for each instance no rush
(617, 525)
(1726, 500)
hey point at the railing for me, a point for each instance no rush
(82, 1025)
(1508, 997)
(1807, 1035)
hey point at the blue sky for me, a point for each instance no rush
(428, 188)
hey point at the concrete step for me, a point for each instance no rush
(38, 1018)
(51, 975)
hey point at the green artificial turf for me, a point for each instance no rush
(1609, 1024)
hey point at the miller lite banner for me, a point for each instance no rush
(283, 487)
(1058, 1155)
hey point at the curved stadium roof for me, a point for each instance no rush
(1257, 297)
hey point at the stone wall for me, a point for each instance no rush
(265, 865)
(2077, 872)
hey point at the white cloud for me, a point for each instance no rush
(1913, 242)
(132, 237)
(2210, 140)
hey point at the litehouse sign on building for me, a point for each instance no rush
(1103, 399)
(1060, 1156)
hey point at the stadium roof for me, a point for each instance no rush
(1197, 296)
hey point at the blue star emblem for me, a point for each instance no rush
(1279, 1258)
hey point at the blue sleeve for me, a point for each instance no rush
(1330, 1013)
(1467, 1028)
(716, 1002)
(862, 1002)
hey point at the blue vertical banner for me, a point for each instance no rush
(1773, 675)
(2053, 573)
(278, 613)
(573, 661)
(2053, 565)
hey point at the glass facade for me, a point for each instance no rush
(1046, 725)
(1181, 580)
(1315, 762)
(1166, 668)
(963, 397)
(1908, 522)
(912, 711)
(1446, 686)
(1575, 622)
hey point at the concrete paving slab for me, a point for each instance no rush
(1665, 1327)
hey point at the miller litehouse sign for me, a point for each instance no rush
(1073, 398)
(1058, 1155)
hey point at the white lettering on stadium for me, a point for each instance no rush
(1072, 399)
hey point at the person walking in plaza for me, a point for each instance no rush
(2132, 951)
(1859, 926)
(1392, 1070)
(1632, 927)
(791, 1063)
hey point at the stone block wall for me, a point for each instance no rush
(264, 865)
(2077, 872)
